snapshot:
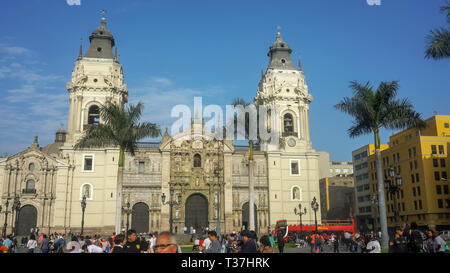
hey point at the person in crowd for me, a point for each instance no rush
(249, 245)
(32, 243)
(214, 246)
(335, 243)
(132, 246)
(3, 248)
(400, 242)
(44, 245)
(152, 241)
(206, 243)
(373, 246)
(73, 246)
(106, 246)
(415, 238)
(166, 243)
(144, 244)
(429, 242)
(119, 244)
(93, 247)
(438, 243)
(8, 243)
(281, 240)
(265, 245)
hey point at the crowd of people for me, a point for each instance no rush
(407, 239)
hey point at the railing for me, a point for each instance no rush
(29, 191)
(148, 144)
(286, 134)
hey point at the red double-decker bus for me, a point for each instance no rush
(327, 226)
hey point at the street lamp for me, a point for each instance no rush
(393, 187)
(128, 211)
(217, 173)
(171, 202)
(300, 213)
(16, 207)
(315, 207)
(6, 212)
(83, 207)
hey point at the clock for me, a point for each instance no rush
(291, 142)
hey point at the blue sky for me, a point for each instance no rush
(172, 51)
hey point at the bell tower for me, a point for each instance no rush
(284, 86)
(96, 79)
(293, 172)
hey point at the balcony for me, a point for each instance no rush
(29, 191)
(286, 134)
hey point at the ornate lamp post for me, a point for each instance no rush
(128, 211)
(16, 207)
(171, 202)
(83, 208)
(300, 213)
(6, 212)
(374, 203)
(217, 171)
(315, 207)
(393, 187)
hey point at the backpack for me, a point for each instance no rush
(416, 240)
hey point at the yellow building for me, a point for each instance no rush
(421, 158)
(363, 202)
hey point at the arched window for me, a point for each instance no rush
(94, 115)
(197, 161)
(296, 194)
(31, 167)
(288, 124)
(86, 190)
(30, 185)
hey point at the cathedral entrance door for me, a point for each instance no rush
(26, 220)
(246, 216)
(196, 212)
(140, 218)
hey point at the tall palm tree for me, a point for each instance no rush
(251, 202)
(121, 128)
(438, 41)
(373, 110)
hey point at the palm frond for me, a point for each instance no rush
(438, 44)
(399, 114)
(240, 101)
(97, 136)
(119, 127)
(446, 9)
(373, 110)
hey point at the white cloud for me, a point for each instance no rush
(28, 105)
(73, 2)
(159, 95)
(14, 50)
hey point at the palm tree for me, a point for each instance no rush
(119, 128)
(251, 202)
(373, 110)
(438, 41)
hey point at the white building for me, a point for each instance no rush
(50, 182)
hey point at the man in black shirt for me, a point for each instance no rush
(280, 240)
(400, 243)
(249, 245)
(120, 242)
(132, 245)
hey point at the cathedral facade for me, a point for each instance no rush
(207, 179)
